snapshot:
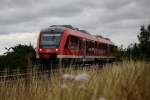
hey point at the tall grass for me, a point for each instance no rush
(124, 81)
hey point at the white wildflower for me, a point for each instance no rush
(64, 86)
(68, 77)
(82, 86)
(101, 98)
(82, 77)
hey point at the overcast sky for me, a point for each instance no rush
(119, 20)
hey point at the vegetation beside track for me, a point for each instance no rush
(128, 80)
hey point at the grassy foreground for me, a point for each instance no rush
(125, 81)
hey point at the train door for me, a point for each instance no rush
(73, 49)
(103, 49)
(108, 50)
(87, 47)
(84, 48)
(84, 53)
(96, 53)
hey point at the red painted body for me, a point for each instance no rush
(100, 47)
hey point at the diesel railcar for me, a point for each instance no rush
(72, 44)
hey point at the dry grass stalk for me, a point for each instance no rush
(125, 81)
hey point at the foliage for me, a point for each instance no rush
(144, 39)
(17, 56)
(120, 53)
(139, 50)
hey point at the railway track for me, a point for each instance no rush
(44, 71)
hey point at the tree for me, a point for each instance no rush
(144, 41)
(17, 56)
(139, 50)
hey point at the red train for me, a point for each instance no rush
(71, 44)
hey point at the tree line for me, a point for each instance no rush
(137, 51)
(17, 57)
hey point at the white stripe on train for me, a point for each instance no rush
(74, 56)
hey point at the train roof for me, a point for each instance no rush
(77, 32)
(53, 28)
(90, 37)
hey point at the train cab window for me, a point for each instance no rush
(73, 42)
(50, 40)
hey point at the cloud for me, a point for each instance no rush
(109, 18)
(10, 40)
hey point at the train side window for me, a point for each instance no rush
(103, 48)
(73, 42)
(95, 45)
(89, 46)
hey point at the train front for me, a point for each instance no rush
(48, 44)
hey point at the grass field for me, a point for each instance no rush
(123, 81)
